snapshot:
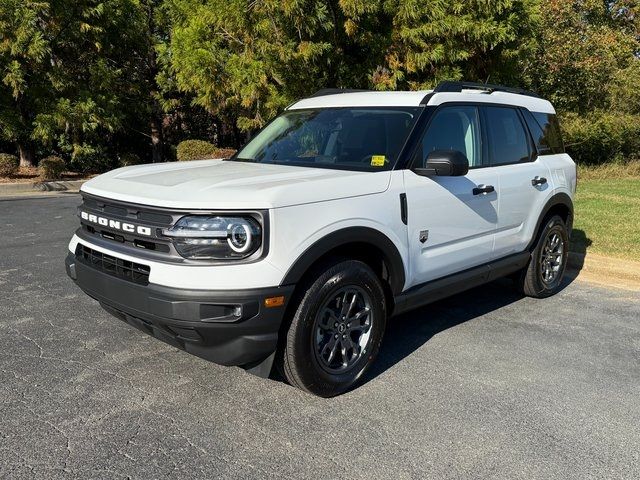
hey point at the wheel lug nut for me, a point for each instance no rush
(337, 335)
(335, 324)
(344, 336)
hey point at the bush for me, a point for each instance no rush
(9, 165)
(92, 159)
(200, 150)
(602, 137)
(195, 150)
(225, 152)
(129, 159)
(52, 168)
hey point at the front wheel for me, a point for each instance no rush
(336, 330)
(543, 276)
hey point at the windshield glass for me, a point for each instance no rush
(367, 139)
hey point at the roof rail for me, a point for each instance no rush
(334, 91)
(449, 86)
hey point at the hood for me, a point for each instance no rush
(218, 184)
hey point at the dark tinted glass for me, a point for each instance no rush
(346, 138)
(545, 130)
(507, 137)
(454, 128)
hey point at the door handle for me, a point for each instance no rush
(538, 181)
(483, 189)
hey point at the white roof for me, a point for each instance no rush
(414, 99)
(363, 99)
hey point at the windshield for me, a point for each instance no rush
(366, 139)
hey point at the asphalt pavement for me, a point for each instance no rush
(486, 384)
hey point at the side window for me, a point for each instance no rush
(508, 141)
(454, 128)
(546, 132)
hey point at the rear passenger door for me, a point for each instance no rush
(522, 179)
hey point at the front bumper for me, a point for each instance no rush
(200, 322)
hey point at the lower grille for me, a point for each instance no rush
(124, 269)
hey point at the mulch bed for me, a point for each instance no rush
(31, 175)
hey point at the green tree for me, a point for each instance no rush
(67, 73)
(24, 49)
(248, 60)
(582, 47)
(452, 40)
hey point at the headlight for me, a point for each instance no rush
(216, 237)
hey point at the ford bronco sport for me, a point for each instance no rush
(349, 208)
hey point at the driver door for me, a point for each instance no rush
(451, 220)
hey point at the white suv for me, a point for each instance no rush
(349, 208)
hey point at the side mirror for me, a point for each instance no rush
(444, 163)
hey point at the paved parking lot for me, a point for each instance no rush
(483, 385)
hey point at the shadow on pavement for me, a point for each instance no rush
(408, 332)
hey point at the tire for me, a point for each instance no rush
(544, 274)
(318, 328)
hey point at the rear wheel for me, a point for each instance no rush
(543, 276)
(336, 329)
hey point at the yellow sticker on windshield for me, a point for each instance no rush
(377, 160)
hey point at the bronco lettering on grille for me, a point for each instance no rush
(115, 224)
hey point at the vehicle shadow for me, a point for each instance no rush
(580, 241)
(578, 249)
(408, 332)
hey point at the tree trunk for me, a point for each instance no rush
(157, 141)
(27, 154)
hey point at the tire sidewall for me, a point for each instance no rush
(340, 275)
(554, 225)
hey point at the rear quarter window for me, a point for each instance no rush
(508, 141)
(545, 130)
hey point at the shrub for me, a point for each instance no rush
(52, 168)
(92, 159)
(9, 165)
(195, 150)
(225, 152)
(129, 159)
(602, 137)
(200, 150)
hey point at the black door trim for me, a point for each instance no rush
(433, 290)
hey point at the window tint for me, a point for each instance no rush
(545, 129)
(454, 128)
(507, 137)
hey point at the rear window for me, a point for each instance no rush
(507, 136)
(545, 130)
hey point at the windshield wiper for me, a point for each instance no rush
(238, 159)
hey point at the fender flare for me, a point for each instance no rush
(560, 198)
(338, 238)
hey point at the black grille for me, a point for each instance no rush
(124, 269)
(156, 245)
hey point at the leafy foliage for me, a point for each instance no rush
(9, 165)
(195, 150)
(582, 45)
(67, 71)
(201, 150)
(89, 79)
(129, 159)
(52, 168)
(602, 136)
